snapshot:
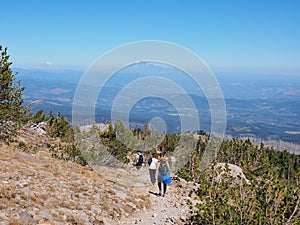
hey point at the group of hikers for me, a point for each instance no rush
(159, 170)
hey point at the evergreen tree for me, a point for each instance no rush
(11, 109)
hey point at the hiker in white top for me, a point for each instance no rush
(152, 168)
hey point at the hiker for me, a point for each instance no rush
(139, 160)
(163, 174)
(152, 167)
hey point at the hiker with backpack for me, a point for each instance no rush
(163, 174)
(139, 160)
(152, 167)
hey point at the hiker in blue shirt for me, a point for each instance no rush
(163, 174)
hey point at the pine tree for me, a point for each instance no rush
(11, 109)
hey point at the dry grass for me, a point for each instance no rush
(51, 187)
(34, 181)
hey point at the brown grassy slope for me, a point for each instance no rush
(36, 188)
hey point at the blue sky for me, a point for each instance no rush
(260, 36)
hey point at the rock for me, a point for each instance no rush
(47, 223)
(140, 190)
(183, 218)
(96, 209)
(4, 223)
(45, 215)
(101, 126)
(100, 220)
(79, 207)
(27, 157)
(120, 194)
(22, 184)
(21, 139)
(3, 216)
(26, 217)
(233, 170)
(38, 128)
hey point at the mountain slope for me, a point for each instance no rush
(36, 188)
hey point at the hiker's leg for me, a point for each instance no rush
(159, 187)
(165, 188)
(152, 176)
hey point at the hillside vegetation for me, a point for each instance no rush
(271, 194)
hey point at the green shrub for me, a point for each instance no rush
(273, 197)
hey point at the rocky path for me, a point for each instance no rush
(164, 210)
(170, 209)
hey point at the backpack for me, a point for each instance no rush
(163, 168)
(149, 161)
(140, 160)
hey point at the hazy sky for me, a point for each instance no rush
(229, 35)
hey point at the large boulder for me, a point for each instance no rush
(232, 170)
